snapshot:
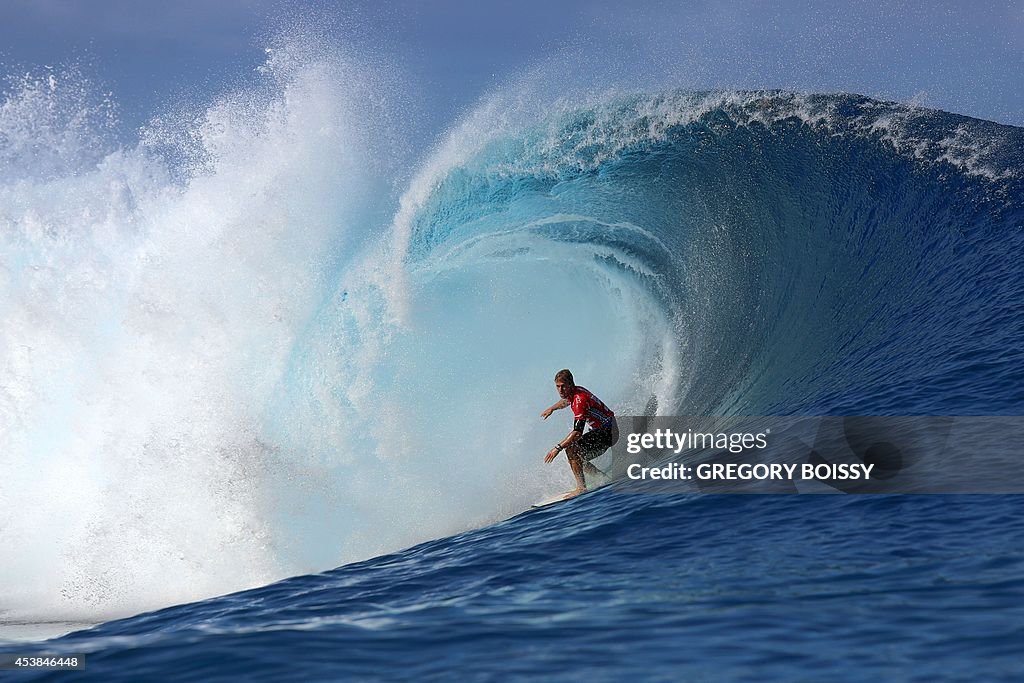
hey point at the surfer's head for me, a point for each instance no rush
(564, 383)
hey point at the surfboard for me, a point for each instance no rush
(561, 496)
(554, 499)
(599, 482)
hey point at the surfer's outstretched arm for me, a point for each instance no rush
(558, 406)
(563, 445)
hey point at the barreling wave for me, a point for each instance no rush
(803, 253)
(209, 387)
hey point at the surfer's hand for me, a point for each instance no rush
(552, 454)
(547, 413)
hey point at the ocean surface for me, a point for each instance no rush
(612, 586)
(266, 417)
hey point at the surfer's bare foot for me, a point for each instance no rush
(573, 493)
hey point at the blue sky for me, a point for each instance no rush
(966, 57)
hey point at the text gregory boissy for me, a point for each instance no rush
(744, 471)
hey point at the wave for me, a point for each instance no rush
(211, 381)
(804, 253)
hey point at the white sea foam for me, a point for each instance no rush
(149, 309)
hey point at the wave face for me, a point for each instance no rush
(211, 381)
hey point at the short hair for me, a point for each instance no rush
(565, 376)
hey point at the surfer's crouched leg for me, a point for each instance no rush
(581, 468)
(578, 465)
(589, 446)
(597, 441)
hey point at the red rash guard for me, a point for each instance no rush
(588, 408)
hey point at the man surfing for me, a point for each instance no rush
(581, 448)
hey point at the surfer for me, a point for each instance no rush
(581, 448)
